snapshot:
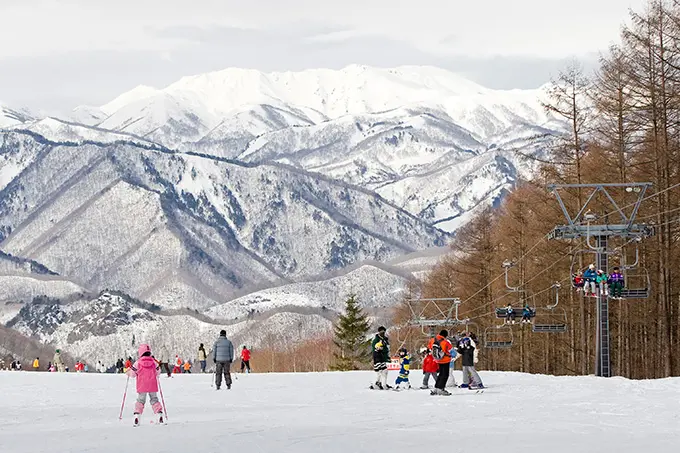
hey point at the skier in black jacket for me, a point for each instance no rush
(471, 379)
(381, 356)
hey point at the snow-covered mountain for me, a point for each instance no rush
(382, 129)
(251, 196)
(184, 230)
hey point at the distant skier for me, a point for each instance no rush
(467, 349)
(177, 369)
(58, 362)
(146, 371)
(245, 359)
(405, 363)
(187, 367)
(381, 356)
(223, 356)
(164, 361)
(202, 357)
(441, 351)
(430, 368)
(36, 364)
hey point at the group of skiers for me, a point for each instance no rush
(438, 359)
(591, 279)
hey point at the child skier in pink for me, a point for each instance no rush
(146, 370)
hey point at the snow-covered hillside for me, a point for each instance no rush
(334, 412)
(386, 129)
(181, 230)
(107, 327)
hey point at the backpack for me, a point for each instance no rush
(437, 351)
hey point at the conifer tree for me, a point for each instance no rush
(350, 337)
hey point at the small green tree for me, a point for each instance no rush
(350, 337)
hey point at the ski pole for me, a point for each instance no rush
(165, 409)
(120, 417)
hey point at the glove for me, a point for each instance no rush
(214, 361)
(476, 360)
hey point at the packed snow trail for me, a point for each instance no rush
(335, 412)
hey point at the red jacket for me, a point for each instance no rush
(430, 365)
(245, 355)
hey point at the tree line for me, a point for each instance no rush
(624, 127)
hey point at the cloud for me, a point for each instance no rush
(83, 52)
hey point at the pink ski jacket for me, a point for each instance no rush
(146, 370)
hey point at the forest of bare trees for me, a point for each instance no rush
(624, 127)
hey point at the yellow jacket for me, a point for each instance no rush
(36, 363)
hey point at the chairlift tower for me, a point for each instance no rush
(428, 313)
(586, 224)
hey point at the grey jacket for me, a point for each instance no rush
(223, 351)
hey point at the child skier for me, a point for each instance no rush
(430, 368)
(146, 370)
(616, 283)
(471, 379)
(405, 362)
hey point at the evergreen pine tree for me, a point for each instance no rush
(350, 337)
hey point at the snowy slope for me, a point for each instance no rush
(334, 412)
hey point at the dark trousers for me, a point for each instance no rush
(220, 369)
(202, 366)
(165, 368)
(443, 376)
(245, 364)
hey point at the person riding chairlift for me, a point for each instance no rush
(510, 314)
(526, 314)
(590, 277)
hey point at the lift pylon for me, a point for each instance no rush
(597, 231)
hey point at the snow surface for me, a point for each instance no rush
(335, 412)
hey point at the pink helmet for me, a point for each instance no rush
(143, 348)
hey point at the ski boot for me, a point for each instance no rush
(136, 420)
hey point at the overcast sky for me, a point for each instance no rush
(57, 54)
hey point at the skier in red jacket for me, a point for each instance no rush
(430, 367)
(245, 359)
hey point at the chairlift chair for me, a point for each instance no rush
(498, 337)
(551, 319)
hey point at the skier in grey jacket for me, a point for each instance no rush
(223, 355)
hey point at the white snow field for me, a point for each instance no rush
(335, 412)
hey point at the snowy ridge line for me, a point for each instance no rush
(36, 267)
(347, 185)
(160, 148)
(386, 267)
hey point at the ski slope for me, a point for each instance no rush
(335, 412)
